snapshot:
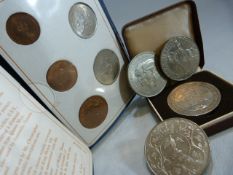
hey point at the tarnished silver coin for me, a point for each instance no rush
(180, 58)
(143, 75)
(194, 98)
(177, 146)
(82, 20)
(106, 67)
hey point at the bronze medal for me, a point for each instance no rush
(93, 112)
(62, 75)
(23, 28)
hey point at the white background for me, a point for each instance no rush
(120, 151)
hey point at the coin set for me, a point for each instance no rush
(179, 60)
(68, 54)
(188, 99)
(176, 145)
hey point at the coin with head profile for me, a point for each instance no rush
(106, 67)
(194, 98)
(22, 28)
(179, 58)
(62, 75)
(82, 20)
(143, 75)
(93, 112)
(177, 146)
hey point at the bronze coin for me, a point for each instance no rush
(23, 28)
(93, 112)
(62, 75)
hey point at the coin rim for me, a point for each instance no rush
(77, 33)
(162, 56)
(206, 84)
(118, 67)
(193, 123)
(129, 68)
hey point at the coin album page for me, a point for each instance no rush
(150, 33)
(32, 140)
(76, 48)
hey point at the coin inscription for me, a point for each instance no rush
(143, 75)
(22, 28)
(177, 146)
(62, 75)
(106, 67)
(194, 98)
(93, 112)
(82, 20)
(180, 58)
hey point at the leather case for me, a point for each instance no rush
(151, 32)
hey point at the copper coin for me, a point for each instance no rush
(62, 75)
(93, 112)
(23, 28)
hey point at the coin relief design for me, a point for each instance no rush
(93, 112)
(62, 75)
(180, 58)
(106, 67)
(194, 98)
(82, 20)
(23, 28)
(177, 146)
(143, 75)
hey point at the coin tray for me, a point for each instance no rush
(57, 41)
(150, 34)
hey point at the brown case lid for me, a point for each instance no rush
(150, 33)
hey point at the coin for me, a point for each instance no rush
(194, 98)
(82, 20)
(106, 67)
(22, 28)
(93, 112)
(143, 75)
(62, 75)
(180, 58)
(177, 147)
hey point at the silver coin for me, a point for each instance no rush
(180, 58)
(106, 67)
(194, 98)
(82, 20)
(177, 146)
(143, 75)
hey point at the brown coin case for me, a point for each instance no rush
(150, 33)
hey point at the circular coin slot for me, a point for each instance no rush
(23, 28)
(106, 67)
(62, 75)
(93, 112)
(82, 20)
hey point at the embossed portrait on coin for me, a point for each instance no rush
(180, 58)
(146, 74)
(106, 67)
(82, 20)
